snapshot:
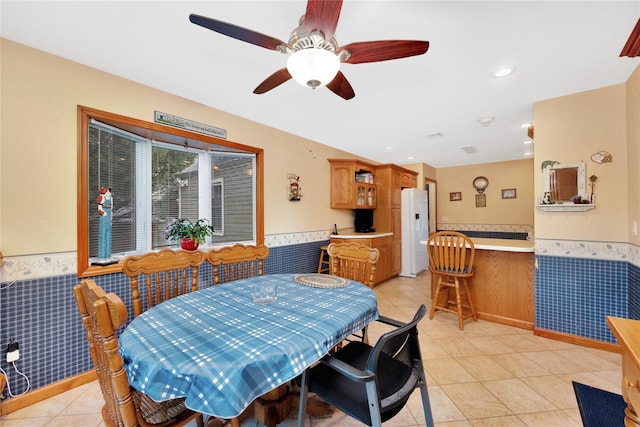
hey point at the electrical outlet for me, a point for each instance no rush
(13, 352)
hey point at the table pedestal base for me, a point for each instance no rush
(273, 407)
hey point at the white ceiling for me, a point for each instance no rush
(557, 47)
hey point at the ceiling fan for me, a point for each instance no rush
(314, 54)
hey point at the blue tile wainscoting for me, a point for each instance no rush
(37, 308)
(579, 283)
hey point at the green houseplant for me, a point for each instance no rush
(188, 233)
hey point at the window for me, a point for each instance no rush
(217, 207)
(157, 174)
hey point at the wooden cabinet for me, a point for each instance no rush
(352, 184)
(390, 180)
(383, 194)
(384, 246)
(626, 332)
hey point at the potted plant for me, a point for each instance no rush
(189, 234)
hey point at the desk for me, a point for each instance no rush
(221, 351)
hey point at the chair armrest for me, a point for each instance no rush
(347, 370)
(390, 321)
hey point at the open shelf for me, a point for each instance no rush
(566, 207)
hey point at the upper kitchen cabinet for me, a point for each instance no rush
(352, 184)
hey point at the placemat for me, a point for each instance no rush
(321, 280)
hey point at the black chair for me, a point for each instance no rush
(371, 384)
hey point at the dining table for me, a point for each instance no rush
(221, 350)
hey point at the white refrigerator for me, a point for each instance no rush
(415, 228)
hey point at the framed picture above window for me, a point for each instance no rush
(454, 197)
(509, 193)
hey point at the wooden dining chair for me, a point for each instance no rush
(353, 261)
(237, 262)
(451, 256)
(102, 314)
(168, 273)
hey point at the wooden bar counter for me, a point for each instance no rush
(502, 288)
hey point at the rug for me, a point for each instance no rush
(599, 408)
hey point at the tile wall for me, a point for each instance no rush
(577, 283)
(38, 310)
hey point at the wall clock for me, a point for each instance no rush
(480, 183)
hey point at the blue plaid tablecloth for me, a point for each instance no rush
(221, 351)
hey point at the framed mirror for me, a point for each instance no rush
(563, 181)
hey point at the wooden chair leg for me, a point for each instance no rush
(435, 299)
(471, 307)
(459, 305)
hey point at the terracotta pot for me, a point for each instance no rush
(189, 244)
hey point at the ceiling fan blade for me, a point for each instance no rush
(322, 15)
(632, 47)
(274, 80)
(341, 86)
(383, 50)
(237, 32)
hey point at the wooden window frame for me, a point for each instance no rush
(152, 131)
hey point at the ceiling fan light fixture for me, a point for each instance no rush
(313, 67)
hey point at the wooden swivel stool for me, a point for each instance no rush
(451, 257)
(323, 263)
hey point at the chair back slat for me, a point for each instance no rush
(353, 261)
(168, 273)
(451, 252)
(237, 262)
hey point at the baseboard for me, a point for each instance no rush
(505, 321)
(7, 406)
(574, 339)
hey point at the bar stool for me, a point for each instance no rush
(451, 256)
(323, 263)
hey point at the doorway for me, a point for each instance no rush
(430, 186)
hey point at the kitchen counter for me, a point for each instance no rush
(382, 241)
(354, 235)
(506, 245)
(502, 288)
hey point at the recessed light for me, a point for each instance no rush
(387, 148)
(486, 121)
(526, 125)
(469, 149)
(435, 135)
(527, 142)
(528, 153)
(503, 72)
(410, 157)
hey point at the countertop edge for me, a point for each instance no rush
(360, 235)
(504, 245)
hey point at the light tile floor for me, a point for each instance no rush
(487, 375)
